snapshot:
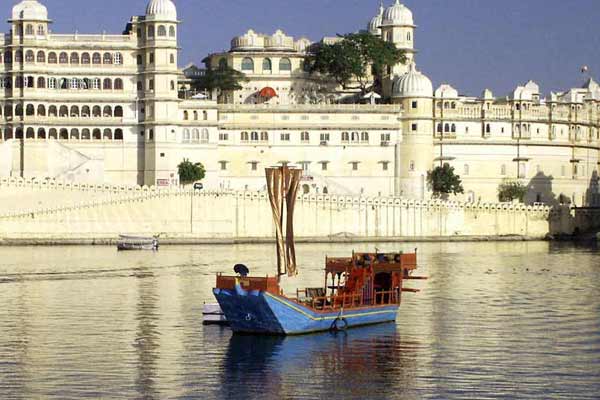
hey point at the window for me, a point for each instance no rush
(247, 65)
(413, 127)
(51, 83)
(488, 128)
(386, 137)
(285, 137)
(503, 169)
(304, 136)
(41, 83)
(364, 136)
(96, 83)
(63, 58)
(151, 58)
(324, 137)
(324, 165)
(385, 165)
(204, 115)
(223, 136)
(118, 84)
(150, 31)
(253, 165)
(254, 136)
(354, 165)
(151, 84)
(204, 137)
(267, 65)
(453, 129)
(41, 30)
(29, 56)
(354, 137)
(140, 59)
(29, 29)
(172, 31)
(172, 59)
(222, 63)
(186, 136)
(117, 59)
(305, 166)
(264, 136)
(466, 169)
(244, 136)
(223, 165)
(107, 85)
(414, 104)
(107, 59)
(411, 166)
(285, 64)
(345, 137)
(161, 31)
(74, 58)
(96, 58)
(440, 128)
(173, 88)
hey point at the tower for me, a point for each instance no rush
(159, 113)
(398, 27)
(414, 156)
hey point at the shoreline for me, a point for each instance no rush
(22, 242)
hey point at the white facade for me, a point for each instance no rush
(105, 109)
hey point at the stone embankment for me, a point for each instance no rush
(40, 212)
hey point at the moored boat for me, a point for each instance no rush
(363, 289)
(126, 242)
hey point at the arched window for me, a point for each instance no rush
(364, 136)
(107, 134)
(186, 115)
(254, 136)
(74, 83)
(107, 59)
(85, 134)
(172, 31)
(150, 31)
(503, 169)
(52, 58)
(107, 112)
(204, 115)
(29, 29)
(96, 111)
(140, 86)
(75, 134)
(29, 56)
(453, 129)
(107, 84)
(19, 82)
(440, 128)
(408, 36)
(18, 56)
(41, 30)
(118, 111)
(285, 64)
(118, 84)
(96, 58)
(74, 58)
(223, 63)
(63, 58)
(52, 134)
(140, 59)
(244, 136)
(30, 133)
(118, 134)
(8, 57)
(85, 111)
(345, 137)
(41, 57)
(264, 136)
(186, 135)
(267, 65)
(63, 134)
(74, 111)
(96, 83)
(41, 110)
(117, 59)
(248, 64)
(41, 133)
(488, 128)
(161, 31)
(172, 58)
(195, 115)
(172, 85)
(30, 110)
(63, 112)
(41, 83)
(354, 136)
(446, 127)
(195, 135)
(96, 134)
(204, 137)
(52, 111)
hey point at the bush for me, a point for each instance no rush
(190, 172)
(511, 190)
(443, 181)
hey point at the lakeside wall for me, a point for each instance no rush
(49, 211)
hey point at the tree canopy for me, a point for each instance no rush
(444, 181)
(222, 78)
(355, 60)
(510, 190)
(190, 172)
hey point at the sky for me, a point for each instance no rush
(470, 44)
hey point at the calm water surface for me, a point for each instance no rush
(496, 320)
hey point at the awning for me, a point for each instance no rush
(268, 92)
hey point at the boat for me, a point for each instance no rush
(126, 242)
(363, 289)
(213, 315)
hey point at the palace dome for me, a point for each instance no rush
(412, 84)
(398, 14)
(162, 9)
(375, 24)
(30, 10)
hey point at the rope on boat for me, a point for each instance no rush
(335, 325)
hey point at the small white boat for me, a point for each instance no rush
(213, 315)
(137, 243)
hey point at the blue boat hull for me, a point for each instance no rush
(261, 312)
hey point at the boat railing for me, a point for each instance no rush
(352, 300)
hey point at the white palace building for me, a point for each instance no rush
(106, 108)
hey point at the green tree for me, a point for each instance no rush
(354, 60)
(190, 172)
(222, 78)
(510, 190)
(443, 181)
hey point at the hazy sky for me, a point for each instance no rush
(471, 44)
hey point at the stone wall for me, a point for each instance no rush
(55, 211)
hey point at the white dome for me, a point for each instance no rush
(30, 10)
(375, 24)
(162, 9)
(398, 14)
(412, 84)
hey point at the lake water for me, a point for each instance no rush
(495, 320)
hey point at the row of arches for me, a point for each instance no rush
(62, 134)
(267, 65)
(195, 136)
(73, 58)
(63, 111)
(61, 83)
(194, 115)
(159, 31)
(446, 128)
(30, 30)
